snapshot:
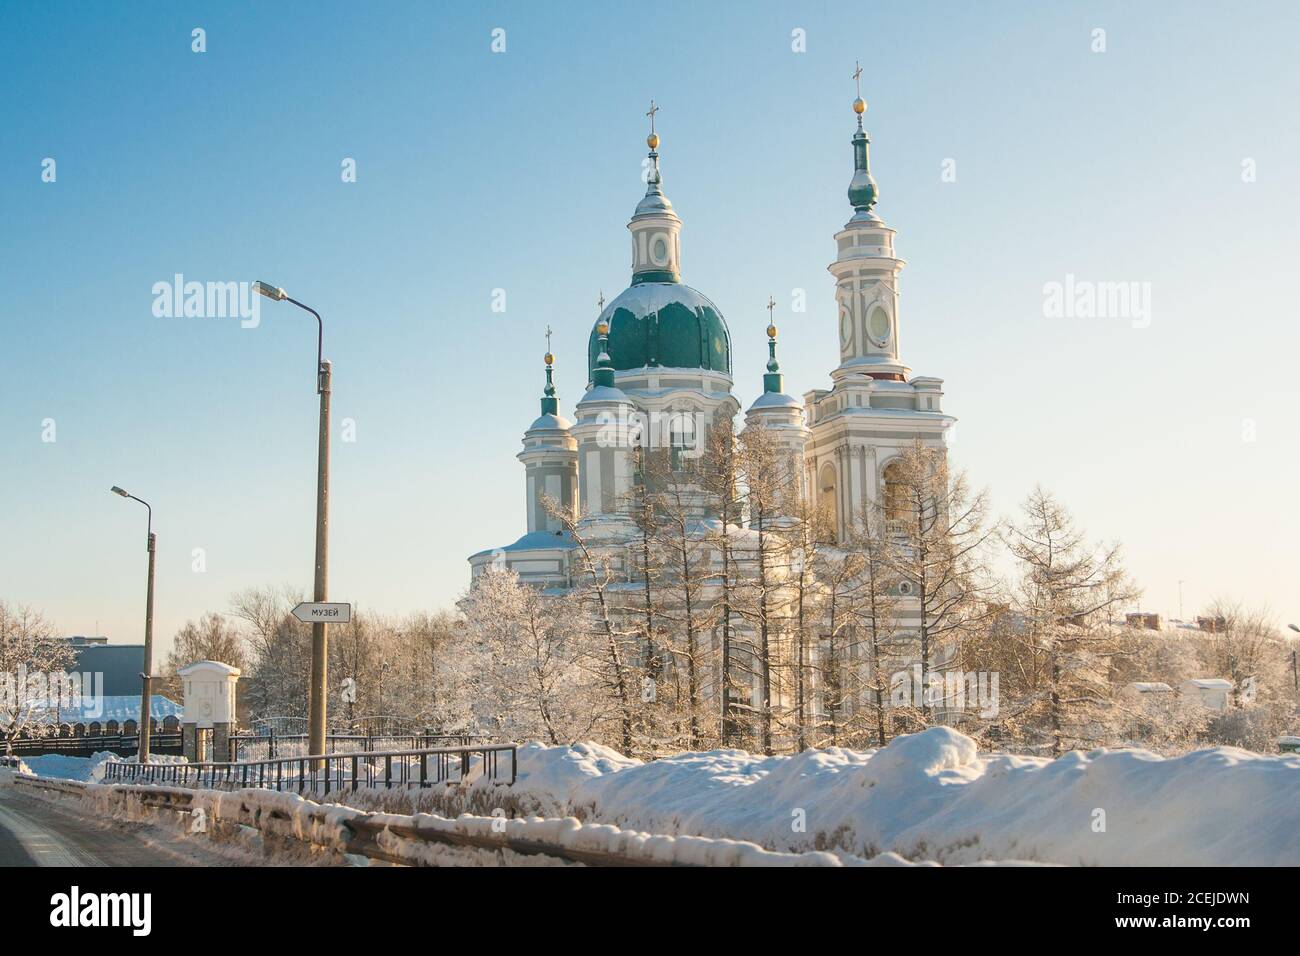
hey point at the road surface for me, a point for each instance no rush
(38, 832)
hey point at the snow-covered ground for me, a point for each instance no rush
(926, 797)
(933, 796)
(85, 769)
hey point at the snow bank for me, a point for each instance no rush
(8, 770)
(87, 769)
(933, 796)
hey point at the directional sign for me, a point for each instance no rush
(323, 613)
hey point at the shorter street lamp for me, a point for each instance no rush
(146, 696)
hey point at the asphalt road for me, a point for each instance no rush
(37, 832)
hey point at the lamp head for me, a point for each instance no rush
(270, 291)
(120, 491)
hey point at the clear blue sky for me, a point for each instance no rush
(519, 171)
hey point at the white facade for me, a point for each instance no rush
(209, 689)
(845, 436)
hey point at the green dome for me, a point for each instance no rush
(665, 324)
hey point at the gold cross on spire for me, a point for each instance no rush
(857, 77)
(771, 304)
(600, 303)
(651, 113)
(548, 339)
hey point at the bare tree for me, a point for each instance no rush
(677, 499)
(1066, 590)
(211, 638)
(610, 649)
(1243, 644)
(279, 651)
(530, 659)
(876, 611)
(33, 666)
(941, 536)
(720, 476)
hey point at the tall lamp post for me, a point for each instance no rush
(146, 692)
(319, 636)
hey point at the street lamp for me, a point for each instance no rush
(319, 635)
(146, 696)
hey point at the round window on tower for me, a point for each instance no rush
(878, 326)
(659, 249)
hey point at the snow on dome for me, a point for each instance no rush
(664, 324)
(775, 400)
(549, 421)
(604, 393)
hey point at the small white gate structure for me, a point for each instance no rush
(209, 688)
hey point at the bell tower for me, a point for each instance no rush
(875, 408)
(866, 274)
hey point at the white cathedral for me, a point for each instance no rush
(660, 369)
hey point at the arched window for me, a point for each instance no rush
(682, 438)
(895, 496)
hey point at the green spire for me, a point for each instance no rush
(550, 404)
(603, 373)
(773, 381)
(862, 188)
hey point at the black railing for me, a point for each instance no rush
(123, 744)
(336, 771)
(275, 746)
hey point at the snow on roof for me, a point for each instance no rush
(1209, 683)
(775, 400)
(539, 540)
(1150, 687)
(214, 667)
(110, 707)
(604, 393)
(550, 421)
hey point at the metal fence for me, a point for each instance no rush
(122, 744)
(419, 767)
(274, 746)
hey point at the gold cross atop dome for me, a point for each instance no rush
(653, 139)
(859, 104)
